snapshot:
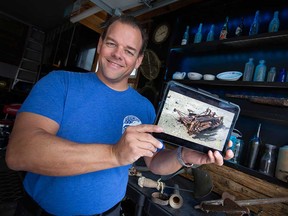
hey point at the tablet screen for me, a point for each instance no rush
(195, 119)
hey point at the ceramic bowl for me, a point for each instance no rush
(194, 76)
(209, 77)
(179, 75)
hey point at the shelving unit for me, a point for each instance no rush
(231, 55)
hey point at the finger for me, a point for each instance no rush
(218, 158)
(146, 153)
(148, 146)
(230, 143)
(211, 157)
(229, 154)
(148, 139)
(146, 128)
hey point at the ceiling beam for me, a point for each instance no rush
(107, 8)
(90, 11)
(155, 5)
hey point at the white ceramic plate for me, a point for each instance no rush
(229, 75)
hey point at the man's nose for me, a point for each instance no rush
(118, 52)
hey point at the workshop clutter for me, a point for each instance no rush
(202, 186)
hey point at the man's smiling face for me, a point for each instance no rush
(119, 55)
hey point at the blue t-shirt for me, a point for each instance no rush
(87, 111)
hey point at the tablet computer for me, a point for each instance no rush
(195, 118)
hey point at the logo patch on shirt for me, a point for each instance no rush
(130, 121)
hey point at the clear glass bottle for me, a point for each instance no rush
(224, 31)
(240, 28)
(198, 35)
(254, 28)
(260, 72)
(248, 70)
(268, 160)
(271, 74)
(185, 38)
(210, 35)
(274, 23)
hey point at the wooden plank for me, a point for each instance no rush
(244, 186)
(94, 22)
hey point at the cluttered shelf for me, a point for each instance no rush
(269, 104)
(277, 118)
(261, 40)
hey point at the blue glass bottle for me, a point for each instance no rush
(254, 28)
(248, 70)
(198, 35)
(282, 75)
(185, 38)
(260, 72)
(210, 36)
(274, 23)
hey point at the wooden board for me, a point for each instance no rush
(244, 186)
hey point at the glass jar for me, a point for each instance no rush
(268, 160)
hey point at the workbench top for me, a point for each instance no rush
(144, 203)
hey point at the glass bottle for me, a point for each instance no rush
(198, 35)
(282, 75)
(224, 31)
(282, 163)
(249, 70)
(260, 72)
(240, 28)
(185, 36)
(237, 150)
(268, 160)
(271, 74)
(254, 149)
(274, 23)
(210, 36)
(254, 28)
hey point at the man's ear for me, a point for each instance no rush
(139, 61)
(100, 42)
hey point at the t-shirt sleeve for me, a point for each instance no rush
(47, 97)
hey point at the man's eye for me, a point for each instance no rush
(130, 53)
(109, 44)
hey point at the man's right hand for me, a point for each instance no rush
(137, 142)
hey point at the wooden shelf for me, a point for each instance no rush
(256, 174)
(278, 39)
(276, 85)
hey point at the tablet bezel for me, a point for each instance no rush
(203, 97)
